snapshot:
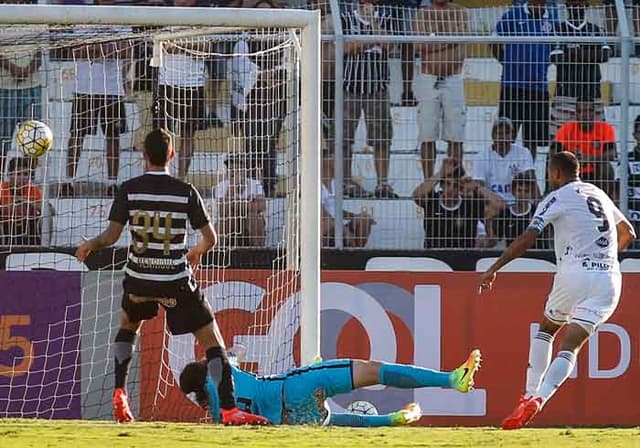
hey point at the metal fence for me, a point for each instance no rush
(439, 119)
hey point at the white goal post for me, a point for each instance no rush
(305, 262)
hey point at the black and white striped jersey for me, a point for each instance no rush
(366, 70)
(158, 208)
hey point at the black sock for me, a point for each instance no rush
(220, 370)
(123, 348)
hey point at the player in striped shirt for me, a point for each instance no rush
(159, 271)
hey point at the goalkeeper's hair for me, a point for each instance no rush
(157, 147)
(192, 380)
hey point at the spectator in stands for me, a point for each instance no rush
(241, 205)
(612, 16)
(366, 76)
(578, 67)
(99, 93)
(524, 96)
(515, 218)
(20, 204)
(356, 226)
(439, 87)
(403, 13)
(144, 83)
(259, 100)
(180, 102)
(328, 73)
(20, 93)
(634, 179)
(496, 166)
(451, 215)
(594, 143)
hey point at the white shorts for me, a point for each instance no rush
(584, 298)
(440, 100)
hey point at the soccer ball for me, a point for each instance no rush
(362, 407)
(34, 138)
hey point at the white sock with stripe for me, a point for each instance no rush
(558, 372)
(539, 360)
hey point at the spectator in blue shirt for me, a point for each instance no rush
(524, 96)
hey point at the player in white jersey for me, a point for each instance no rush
(589, 232)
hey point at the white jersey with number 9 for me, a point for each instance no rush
(584, 221)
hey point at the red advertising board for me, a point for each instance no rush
(434, 320)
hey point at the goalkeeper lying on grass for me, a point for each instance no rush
(298, 395)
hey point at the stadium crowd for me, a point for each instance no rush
(464, 203)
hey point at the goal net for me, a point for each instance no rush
(238, 90)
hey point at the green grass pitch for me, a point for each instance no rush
(72, 434)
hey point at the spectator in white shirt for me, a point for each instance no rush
(99, 94)
(241, 205)
(180, 101)
(496, 166)
(259, 98)
(356, 226)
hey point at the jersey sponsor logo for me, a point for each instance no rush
(501, 188)
(593, 265)
(158, 264)
(547, 205)
(167, 302)
(602, 242)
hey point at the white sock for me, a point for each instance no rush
(558, 372)
(539, 360)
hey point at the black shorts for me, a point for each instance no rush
(179, 109)
(87, 109)
(529, 109)
(185, 305)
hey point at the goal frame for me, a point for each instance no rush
(309, 23)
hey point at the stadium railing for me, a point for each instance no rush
(399, 222)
